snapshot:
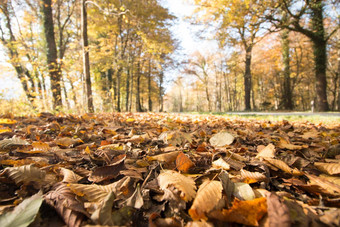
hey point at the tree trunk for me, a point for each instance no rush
(161, 105)
(320, 55)
(149, 88)
(52, 54)
(287, 97)
(86, 58)
(119, 72)
(128, 75)
(138, 104)
(247, 79)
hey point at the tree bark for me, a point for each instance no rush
(320, 55)
(138, 103)
(86, 58)
(287, 97)
(52, 54)
(247, 79)
(161, 92)
(149, 88)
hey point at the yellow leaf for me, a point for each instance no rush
(208, 196)
(7, 121)
(130, 120)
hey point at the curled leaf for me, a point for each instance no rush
(166, 157)
(24, 174)
(252, 177)
(208, 196)
(284, 167)
(63, 200)
(70, 176)
(221, 164)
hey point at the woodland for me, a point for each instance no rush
(119, 55)
(100, 136)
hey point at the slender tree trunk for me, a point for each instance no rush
(119, 72)
(287, 97)
(160, 97)
(138, 103)
(338, 71)
(86, 58)
(52, 54)
(247, 79)
(127, 89)
(149, 88)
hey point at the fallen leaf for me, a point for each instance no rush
(221, 139)
(252, 177)
(220, 164)
(166, 157)
(284, 167)
(243, 191)
(96, 193)
(68, 207)
(278, 212)
(69, 176)
(108, 172)
(24, 174)
(184, 184)
(23, 214)
(266, 152)
(243, 212)
(183, 163)
(208, 195)
(330, 168)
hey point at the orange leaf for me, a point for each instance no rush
(183, 162)
(243, 212)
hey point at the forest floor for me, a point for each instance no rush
(162, 169)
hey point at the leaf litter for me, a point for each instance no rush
(153, 169)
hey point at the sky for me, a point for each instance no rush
(182, 30)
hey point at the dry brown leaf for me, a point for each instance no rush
(70, 176)
(166, 157)
(95, 193)
(108, 172)
(208, 196)
(278, 212)
(330, 168)
(284, 167)
(183, 163)
(243, 212)
(67, 141)
(63, 200)
(24, 174)
(220, 164)
(184, 184)
(328, 186)
(283, 144)
(252, 177)
(266, 152)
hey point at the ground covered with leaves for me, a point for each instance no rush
(167, 170)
